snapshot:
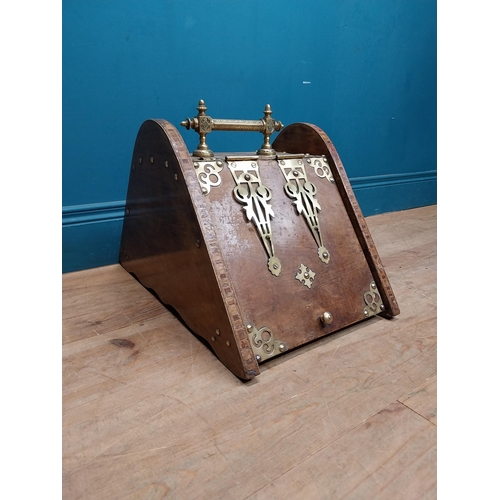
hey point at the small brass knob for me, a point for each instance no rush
(327, 318)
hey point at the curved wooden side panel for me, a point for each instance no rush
(308, 138)
(169, 244)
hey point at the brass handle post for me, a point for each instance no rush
(204, 124)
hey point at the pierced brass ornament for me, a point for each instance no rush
(263, 343)
(321, 167)
(255, 198)
(207, 173)
(373, 301)
(303, 192)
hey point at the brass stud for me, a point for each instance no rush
(217, 331)
(166, 164)
(152, 160)
(306, 276)
(175, 176)
(258, 358)
(308, 160)
(366, 312)
(196, 164)
(219, 163)
(373, 284)
(228, 343)
(382, 307)
(204, 190)
(282, 347)
(295, 173)
(197, 243)
(275, 266)
(213, 338)
(254, 164)
(140, 160)
(247, 177)
(128, 210)
(249, 327)
(300, 162)
(325, 255)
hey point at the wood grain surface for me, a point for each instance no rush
(149, 412)
(168, 243)
(306, 137)
(205, 258)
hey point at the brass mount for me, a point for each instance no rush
(263, 343)
(204, 124)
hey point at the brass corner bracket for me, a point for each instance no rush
(207, 173)
(373, 301)
(263, 343)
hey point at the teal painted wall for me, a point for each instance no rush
(362, 70)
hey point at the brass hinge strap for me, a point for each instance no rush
(256, 201)
(303, 193)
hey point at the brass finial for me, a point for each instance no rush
(203, 125)
(270, 125)
(201, 107)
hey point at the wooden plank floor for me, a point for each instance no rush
(150, 413)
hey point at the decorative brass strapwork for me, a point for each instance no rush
(263, 343)
(204, 124)
(255, 198)
(208, 174)
(373, 301)
(303, 192)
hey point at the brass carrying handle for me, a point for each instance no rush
(204, 124)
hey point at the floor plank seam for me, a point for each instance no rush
(166, 402)
(320, 449)
(420, 415)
